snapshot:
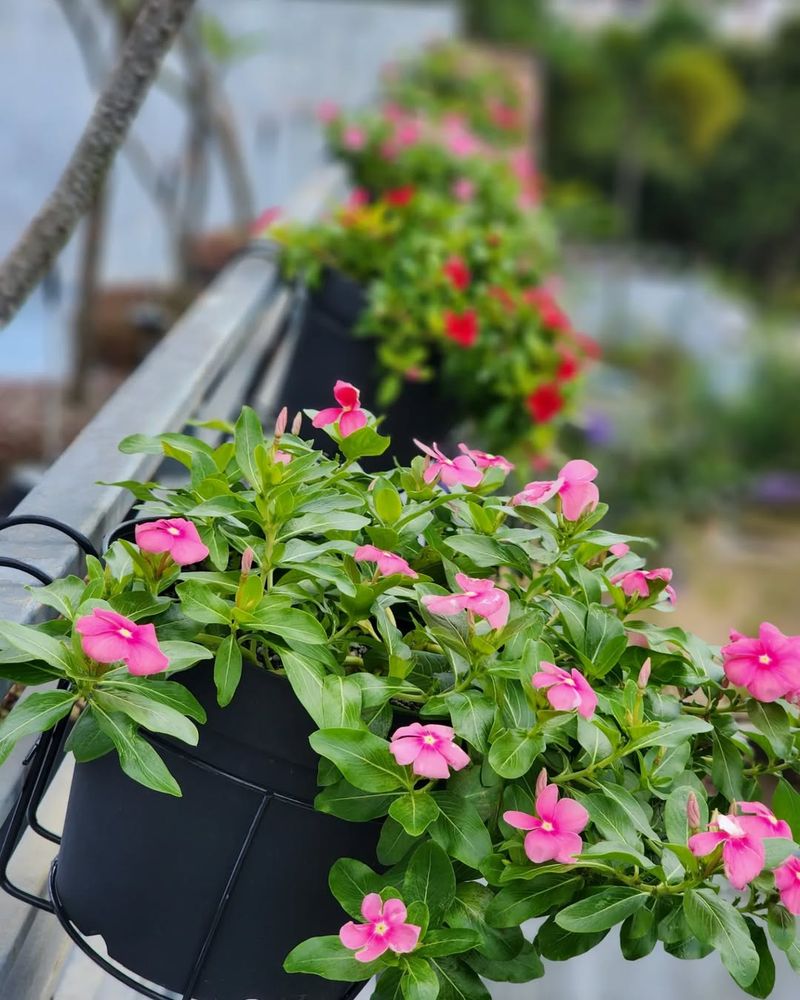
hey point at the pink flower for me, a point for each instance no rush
(262, 222)
(484, 460)
(461, 327)
(461, 142)
(636, 582)
(787, 881)
(429, 749)
(349, 413)
(407, 133)
(574, 485)
(108, 637)
(398, 197)
(555, 832)
(644, 674)
(619, 549)
(450, 471)
(388, 563)
(693, 811)
(481, 597)
(281, 457)
(327, 111)
(566, 690)
(463, 189)
(770, 825)
(457, 272)
(357, 198)
(354, 138)
(742, 847)
(550, 312)
(175, 535)
(768, 667)
(385, 929)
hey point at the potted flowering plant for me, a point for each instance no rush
(471, 671)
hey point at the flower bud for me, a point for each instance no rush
(541, 782)
(280, 423)
(297, 423)
(693, 811)
(644, 674)
(247, 560)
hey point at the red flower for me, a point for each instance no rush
(568, 367)
(545, 402)
(550, 312)
(457, 271)
(400, 196)
(461, 327)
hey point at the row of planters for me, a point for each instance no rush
(429, 287)
(332, 725)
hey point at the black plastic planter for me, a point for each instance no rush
(328, 350)
(205, 895)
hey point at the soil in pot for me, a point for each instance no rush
(328, 349)
(147, 871)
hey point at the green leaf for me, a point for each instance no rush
(388, 503)
(362, 758)
(137, 758)
(716, 922)
(469, 911)
(771, 719)
(168, 693)
(414, 812)
(182, 655)
(38, 644)
(602, 910)
(430, 879)
(782, 927)
(786, 805)
(611, 819)
(776, 851)
(350, 881)
(227, 669)
(150, 713)
(307, 678)
(363, 443)
(727, 771)
(472, 714)
(354, 804)
(419, 981)
(201, 604)
(522, 968)
(323, 523)
(291, 624)
(558, 945)
(328, 958)
(34, 714)
(637, 936)
(764, 981)
(394, 843)
(448, 941)
(65, 595)
(519, 902)
(248, 434)
(457, 981)
(513, 753)
(459, 829)
(86, 740)
(670, 734)
(593, 740)
(387, 986)
(341, 703)
(632, 808)
(605, 639)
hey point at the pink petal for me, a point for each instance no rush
(494, 607)
(743, 859)
(586, 693)
(465, 474)
(454, 755)
(346, 395)
(546, 803)
(327, 416)
(372, 907)
(352, 421)
(739, 670)
(537, 493)
(355, 936)
(702, 844)
(543, 680)
(374, 948)
(106, 647)
(472, 584)
(403, 938)
(429, 763)
(569, 816)
(542, 846)
(406, 751)
(578, 471)
(768, 683)
(367, 553)
(186, 551)
(152, 537)
(578, 497)
(431, 472)
(426, 449)
(394, 911)
(145, 657)
(415, 729)
(521, 820)
(447, 604)
(569, 845)
(443, 733)
(563, 697)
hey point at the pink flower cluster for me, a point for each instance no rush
(385, 930)
(554, 832)
(768, 666)
(109, 637)
(574, 486)
(742, 834)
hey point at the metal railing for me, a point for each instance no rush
(233, 345)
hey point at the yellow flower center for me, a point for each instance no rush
(125, 633)
(173, 531)
(765, 659)
(381, 928)
(547, 826)
(430, 740)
